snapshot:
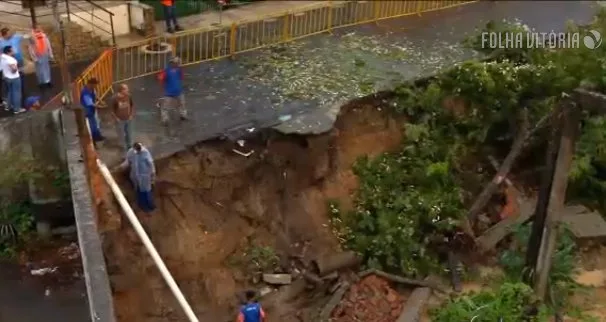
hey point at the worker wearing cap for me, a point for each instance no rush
(88, 100)
(252, 310)
(171, 79)
(32, 103)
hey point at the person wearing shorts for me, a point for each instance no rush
(171, 79)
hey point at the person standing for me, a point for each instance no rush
(123, 111)
(41, 53)
(14, 39)
(142, 174)
(252, 310)
(88, 100)
(11, 80)
(170, 16)
(171, 79)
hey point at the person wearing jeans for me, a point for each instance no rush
(170, 16)
(142, 173)
(11, 79)
(123, 111)
(88, 100)
(14, 39)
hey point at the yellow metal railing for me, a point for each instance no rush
(103, 70)
(204, 44)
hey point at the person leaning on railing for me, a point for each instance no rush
(88, 100)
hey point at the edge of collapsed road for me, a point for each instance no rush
(99, 295)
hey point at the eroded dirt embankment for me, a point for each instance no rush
(214, 203)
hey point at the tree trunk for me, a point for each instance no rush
(557, 196)
(492, 187)
(540, 213)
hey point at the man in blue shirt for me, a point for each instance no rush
(252, 310)
(13, 39)
(88, 100)
(171, 79)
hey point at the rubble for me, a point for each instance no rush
(372, 299)
(277, 279)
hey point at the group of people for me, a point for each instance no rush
(12, 63)
(122, 108)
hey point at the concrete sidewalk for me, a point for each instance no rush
(241, 12)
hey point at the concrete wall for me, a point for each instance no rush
(38, 136)
(142, 19)
(11, 6)
(99, 22)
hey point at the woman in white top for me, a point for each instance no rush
(11, 79)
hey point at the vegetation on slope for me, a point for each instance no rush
(410, 201)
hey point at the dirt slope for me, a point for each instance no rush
(214, 203)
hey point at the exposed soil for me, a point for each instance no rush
(371, 299)
(213, 204)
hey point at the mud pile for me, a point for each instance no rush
(213, 203)
(371, 299)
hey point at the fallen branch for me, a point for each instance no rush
(335, 299)
(401, 280)
(516, 149)
(495, 165)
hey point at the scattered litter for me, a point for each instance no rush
(284, 118)
(277, 279)
(47, 292)
(43, 271)
(265, 290)
(72, 251)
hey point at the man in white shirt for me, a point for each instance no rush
(11, 79)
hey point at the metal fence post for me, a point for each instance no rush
(285, 28)
(377, 9)
(329, 19)
(232, 39)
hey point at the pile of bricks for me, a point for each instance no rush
(371, 299)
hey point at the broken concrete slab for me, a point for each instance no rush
(491, 237)
(316, 121)
(584, 224)
(411, 312)
(277, 279)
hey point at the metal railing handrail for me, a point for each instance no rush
(98, 7)
(87, 12)
(110, 22)
(130, 214)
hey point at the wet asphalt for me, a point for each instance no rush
(222, 97)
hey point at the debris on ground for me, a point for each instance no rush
(414, 305)
(372, 299)
(277, 279)
(43, 271)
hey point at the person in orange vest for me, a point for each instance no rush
(170, 16)
(42, 54)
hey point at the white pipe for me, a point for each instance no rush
(147, 242)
